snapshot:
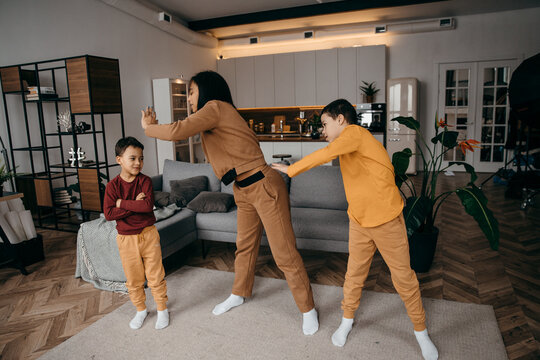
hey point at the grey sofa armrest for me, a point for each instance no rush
(157, 182)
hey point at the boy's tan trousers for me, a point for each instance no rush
(266, 203)
(141, 260)
(391, 240)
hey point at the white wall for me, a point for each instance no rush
(34, 30)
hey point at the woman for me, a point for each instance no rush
(259, 191)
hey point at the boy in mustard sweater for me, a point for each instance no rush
(375, 216)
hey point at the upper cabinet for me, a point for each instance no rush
(245, 82)
(264, 81)
(227, 69)
(284, 89)
(305, 78)
(326, 75)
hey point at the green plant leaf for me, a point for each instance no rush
(409, 122)
(475, 204)
(415, 212)
(400, 160)
(468, 168)
(447, 138)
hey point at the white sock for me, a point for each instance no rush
(162, 319)
(310, 323)
(339, 338)
(232, 301)
(429, 351)
(138, 319)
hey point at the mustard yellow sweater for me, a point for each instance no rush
(368, 175)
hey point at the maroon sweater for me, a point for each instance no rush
(133, 215)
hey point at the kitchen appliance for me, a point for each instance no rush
(372, 116)
(402, 100)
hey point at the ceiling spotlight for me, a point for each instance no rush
(380, 29)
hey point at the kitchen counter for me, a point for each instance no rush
(287, 138)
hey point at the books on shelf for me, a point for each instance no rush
(62, 196)
(43, 93)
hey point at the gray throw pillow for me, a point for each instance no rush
(208, 201)
(161, 198)
(185, 190)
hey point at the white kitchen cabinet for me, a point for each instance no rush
(309, 147)
(227, 69)
(264, 81)
(305, 86)
(371, 67)
(170, 105)
(284, 80)
(347, 88)
(326, 62)
(292, 148)
(245, 82)
(267, 148)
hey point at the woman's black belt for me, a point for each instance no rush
(252, 179)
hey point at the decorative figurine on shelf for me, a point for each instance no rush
(64, 121)
(82, 127)
(80, 156)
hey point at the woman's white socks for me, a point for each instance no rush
(339, 338)
(232, 301)
(162, 319)
(138, 319)
(429, 351)
(310, 323)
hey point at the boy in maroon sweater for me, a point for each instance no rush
(130, 201)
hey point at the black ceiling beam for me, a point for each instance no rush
(299, 12)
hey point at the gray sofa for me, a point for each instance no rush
(318, 210)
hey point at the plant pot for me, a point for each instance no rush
(422, 249)
(315, 135)
(369, 99)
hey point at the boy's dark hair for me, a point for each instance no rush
(343, 107)
(122, 145)
(212, 86)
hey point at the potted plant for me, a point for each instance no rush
(369, 90)
(4, 176)
(422, 204)
(315, 124)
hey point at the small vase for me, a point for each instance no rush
(315, 135)
(422, 249)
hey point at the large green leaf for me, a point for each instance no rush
(409, 122)
(415, 212)
(468, 168)
(475, 204)
(447, 138)
(400, 161)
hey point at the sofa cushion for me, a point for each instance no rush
(320, 187)
(185, 190)
(208, 201)
(225, 222)
(161, 198)
(175, 227)
(177, 170)
(324, 224)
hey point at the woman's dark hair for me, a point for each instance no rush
(212, 86)
(343, 107)
(124, 143)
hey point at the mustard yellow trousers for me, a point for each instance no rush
(141, 260)
(391, 240)
(266, 203)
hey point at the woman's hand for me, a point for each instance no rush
(148, 117)
(280, 167)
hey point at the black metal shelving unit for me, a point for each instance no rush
(99, 96)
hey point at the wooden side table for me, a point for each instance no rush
(12, 253)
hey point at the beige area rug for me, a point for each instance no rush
(268, 326)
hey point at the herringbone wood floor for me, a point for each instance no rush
(39, 311)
